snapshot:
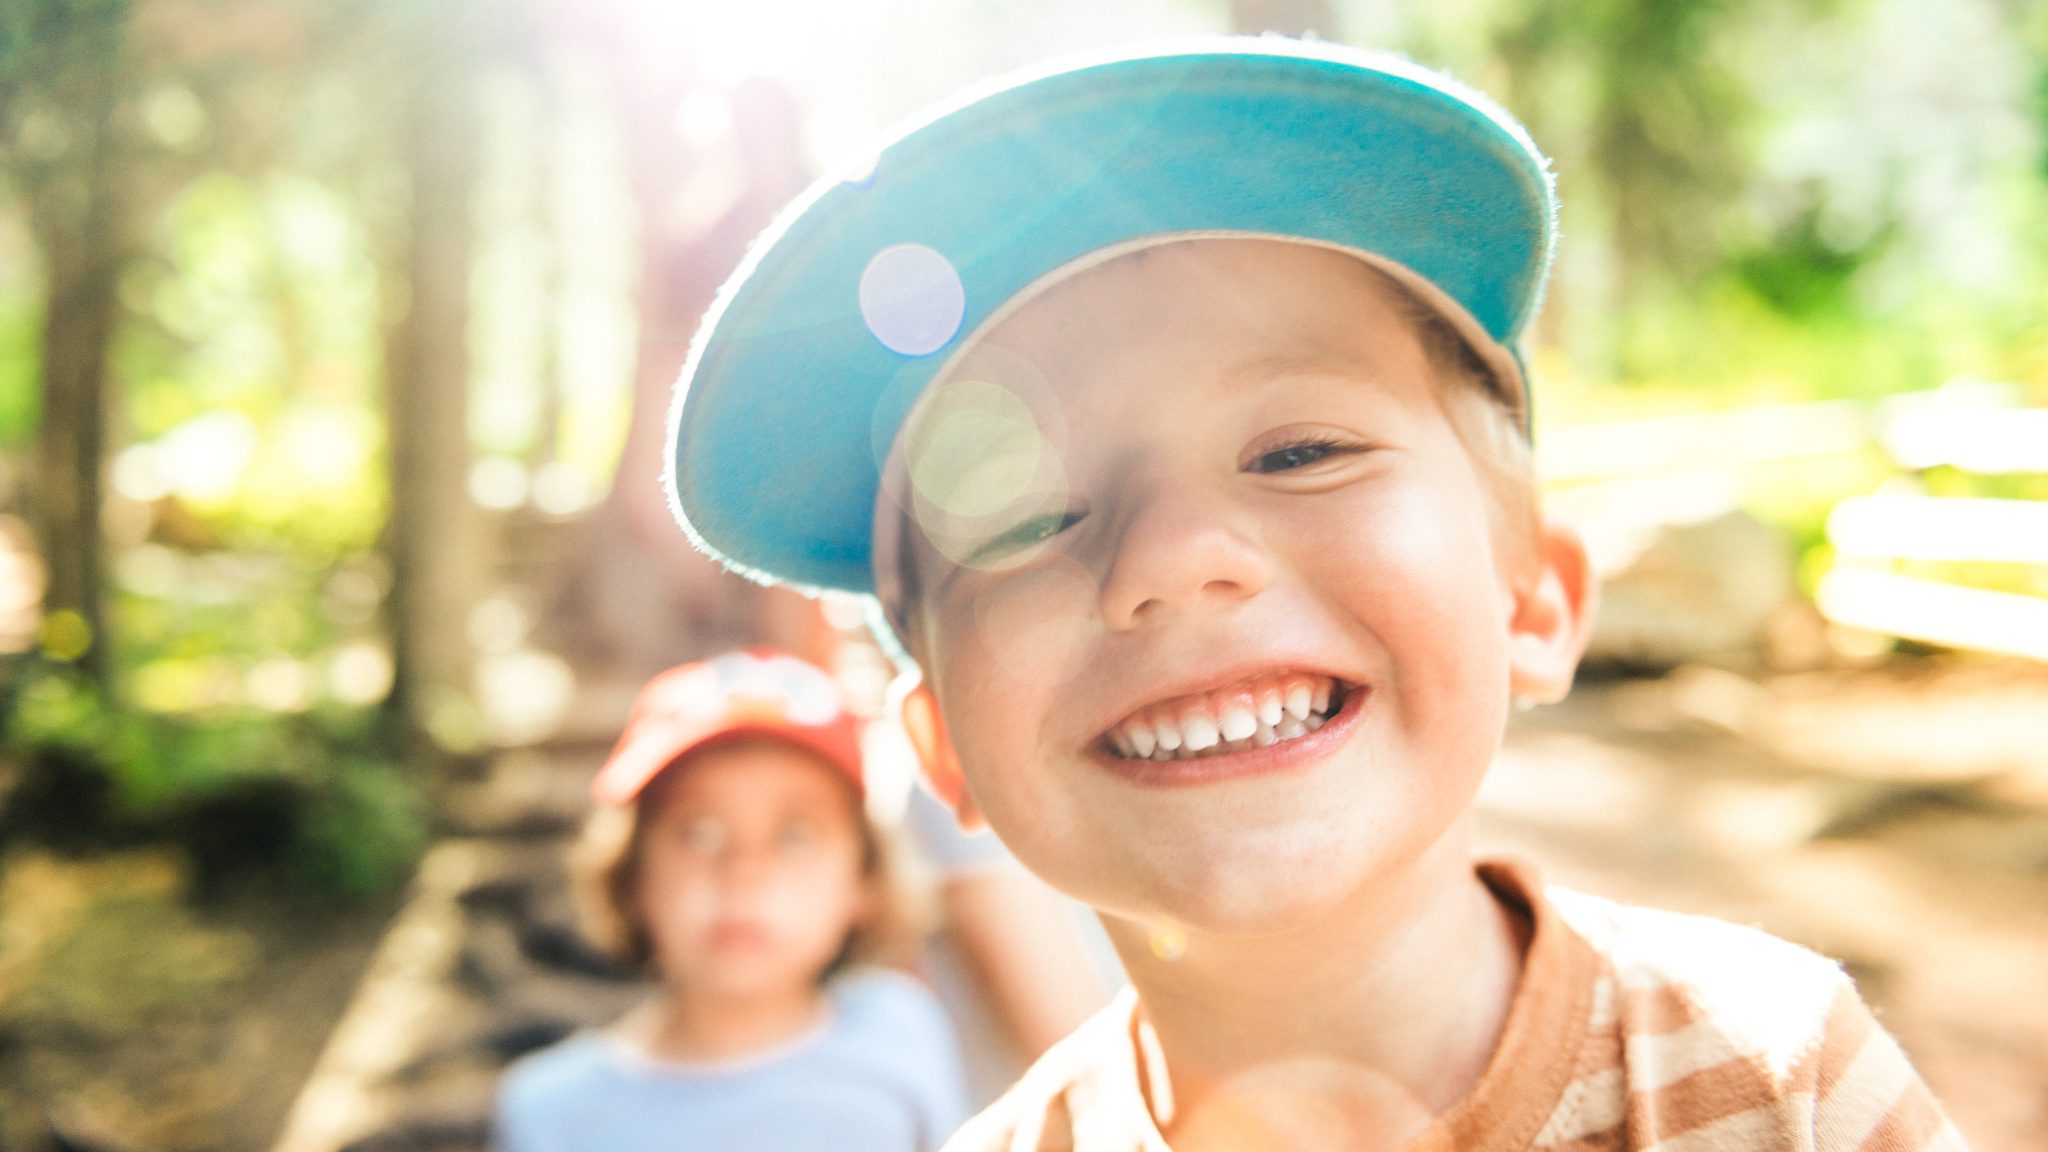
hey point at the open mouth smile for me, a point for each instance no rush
(1259, 712)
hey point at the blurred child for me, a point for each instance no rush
(1170, 405)
(733, 860)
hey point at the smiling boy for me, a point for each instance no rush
(1169, 406)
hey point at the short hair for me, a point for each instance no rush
(605, 874)
(1484, 419)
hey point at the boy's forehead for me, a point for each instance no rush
(1234, 308)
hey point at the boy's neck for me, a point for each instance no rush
(1353, 1032)
(680, 1026)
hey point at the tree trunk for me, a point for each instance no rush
(434, 535)
(82, 232)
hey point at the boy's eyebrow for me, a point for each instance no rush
(1309, 362)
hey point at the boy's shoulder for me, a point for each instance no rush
(1768, 997)
(1621, 1009)
(890, 1018)
(891, 1031)
(542, 1085)
(1715, 1035)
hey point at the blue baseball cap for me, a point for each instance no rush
(854, 301)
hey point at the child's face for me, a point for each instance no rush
(750, 869)
(1236, 480)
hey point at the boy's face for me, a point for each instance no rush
(750, 868)
(1207, 478)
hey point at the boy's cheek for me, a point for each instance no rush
(1034, 625)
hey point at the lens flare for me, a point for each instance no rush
(912, 299)
(980, 466)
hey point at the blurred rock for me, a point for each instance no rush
(1718, 698)
(1702, 593)
(1796, 639)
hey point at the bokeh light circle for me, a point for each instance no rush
(912, 299)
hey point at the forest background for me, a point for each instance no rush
(321, 321)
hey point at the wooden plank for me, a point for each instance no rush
(1988, 441)
(1934, 612)
(1941, 528)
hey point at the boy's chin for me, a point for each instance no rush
(1264, 895)
(1242, 914)
(751, 979)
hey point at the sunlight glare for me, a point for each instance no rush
(732, 41)
(330, 446)
(205, 458)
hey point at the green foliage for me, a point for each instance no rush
(42, 40)
(1803, 275)
(250, 361)
(310, 797)
(1740, 222)
(363, 832)
(1727, 341)
(21, 318)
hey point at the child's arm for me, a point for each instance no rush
(1021, 940)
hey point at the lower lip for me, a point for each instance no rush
(736, 936)
(1280, 757)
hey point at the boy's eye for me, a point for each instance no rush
(796, 838)
(1030, 533)
(1297, 454)
(704, 836)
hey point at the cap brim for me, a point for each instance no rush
(794, 394)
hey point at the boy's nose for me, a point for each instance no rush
(1180, 550)
(742, 867)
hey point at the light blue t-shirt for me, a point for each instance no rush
(881, 1074)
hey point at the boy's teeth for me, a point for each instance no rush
(1232, 720)
(1141, 739)
(1167, 733)
(1299, 697)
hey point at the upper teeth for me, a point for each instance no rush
(1250, 715)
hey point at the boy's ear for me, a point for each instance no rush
(1553, 616)
(926, 728)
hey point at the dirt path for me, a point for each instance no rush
(129, 1019)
